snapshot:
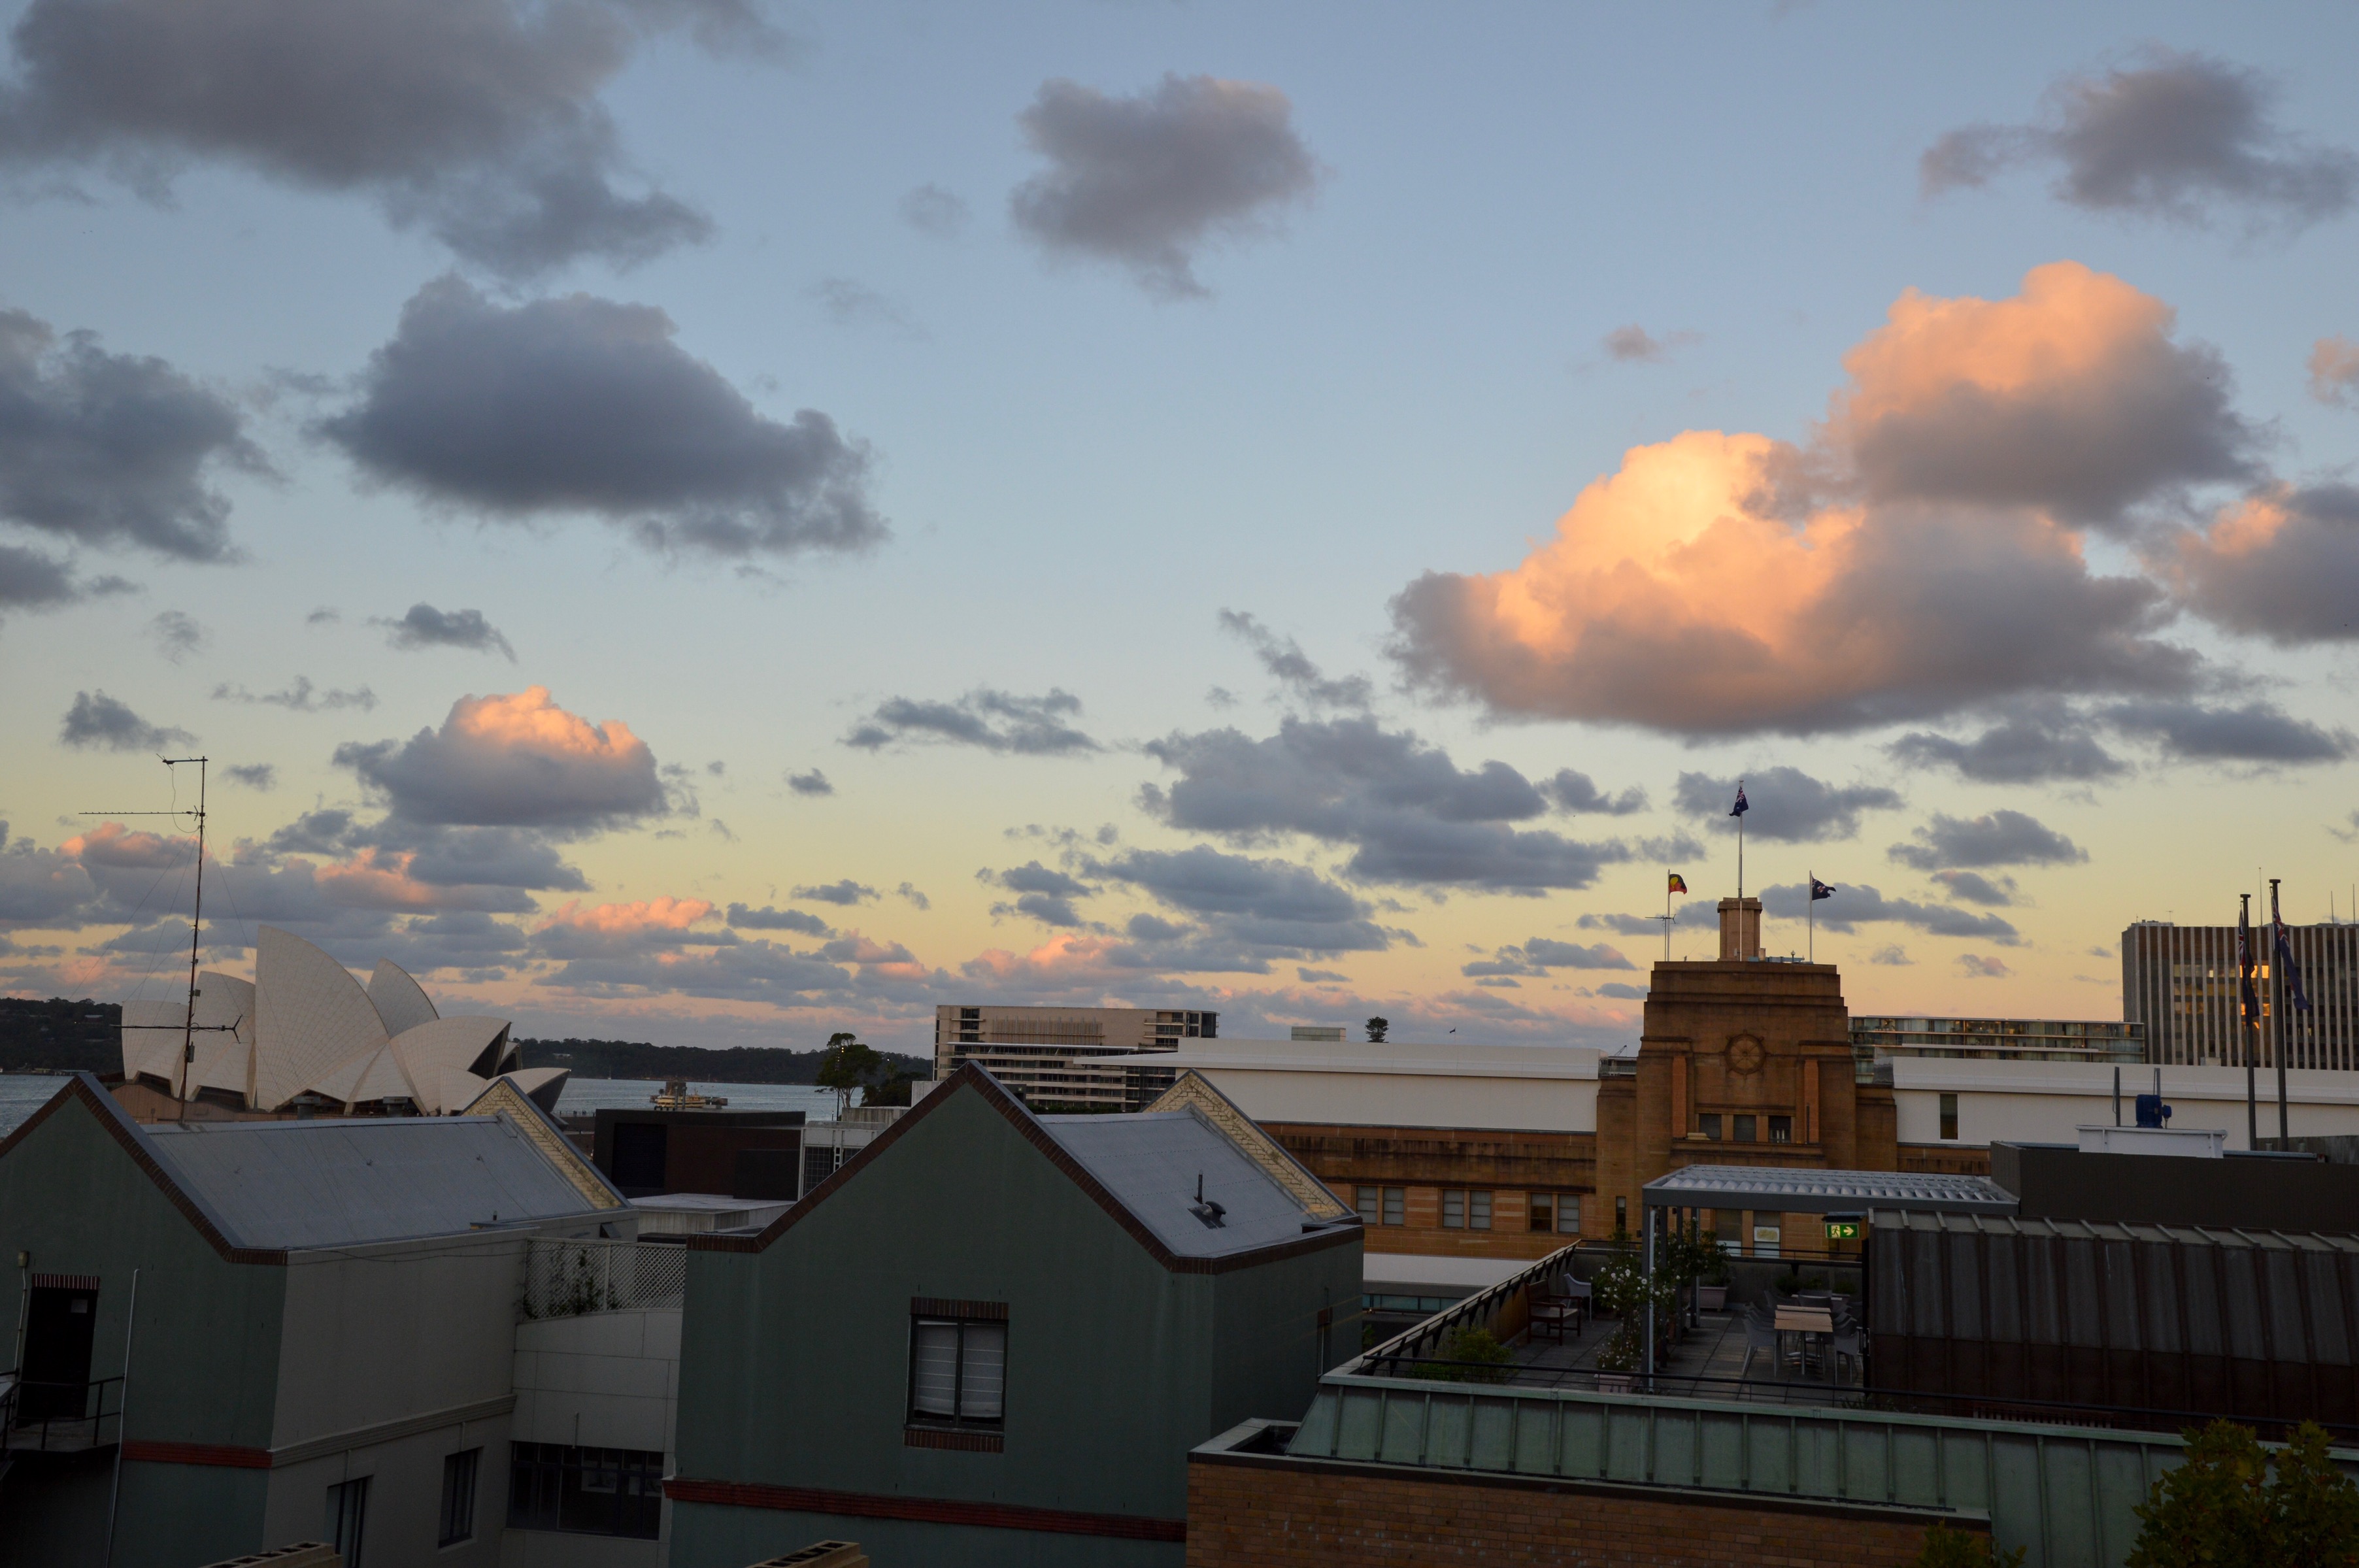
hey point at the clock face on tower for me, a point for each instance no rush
(1744, 1055)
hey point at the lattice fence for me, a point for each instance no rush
(568, 1279)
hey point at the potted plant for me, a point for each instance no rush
(1617, 1362)
(1711, 1284)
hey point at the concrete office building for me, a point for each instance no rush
(1887, 1039)
(2180, 982)
(324, 1339)
(1054, 1057)
(993, 1337)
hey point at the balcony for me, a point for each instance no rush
(60, 1418)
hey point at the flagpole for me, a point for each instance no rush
(1810, 907)
(2279, 947)
(1666, 919)
(2252, 1030)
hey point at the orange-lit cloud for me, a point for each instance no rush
(665, 914)
(1924, 555)
(2283, 565)
(515, 760)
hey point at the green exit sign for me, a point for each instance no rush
(1843, 1230)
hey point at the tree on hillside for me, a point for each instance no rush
(846, 1065)
(1377, 1027)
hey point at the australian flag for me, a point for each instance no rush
(2286, 965)
(1819, 890)
(2252, 1001)
(1741, 807)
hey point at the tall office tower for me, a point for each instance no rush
(2180, 982)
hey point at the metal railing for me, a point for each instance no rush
(572, 1278)
(60, 1418)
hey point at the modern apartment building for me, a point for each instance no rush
(1050, 1056)
(2180, 982)
(1877, 1038)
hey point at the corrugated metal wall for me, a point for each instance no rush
(2251, 1324)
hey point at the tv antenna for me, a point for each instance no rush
(190, 1028)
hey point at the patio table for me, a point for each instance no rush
(1808, 1321)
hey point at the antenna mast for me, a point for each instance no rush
(196, 935)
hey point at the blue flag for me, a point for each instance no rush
(2286, 965)
(1740, 808)
(1819, 890)
(2251, 999)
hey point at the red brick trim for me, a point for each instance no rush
(953, 1438)
(85, 1087)
(924, 1511)
(220, 1454)
(975, 1078)
(950, 1307)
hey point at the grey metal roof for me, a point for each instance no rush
(1826, 1192)
(342, 1182)
(1150, 1161)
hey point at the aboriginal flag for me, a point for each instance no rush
(1679, 883)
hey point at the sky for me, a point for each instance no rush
(717, 523)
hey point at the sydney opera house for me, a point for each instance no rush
(305, 1035)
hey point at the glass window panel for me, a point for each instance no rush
(1453, 1209)
(1395, 1205)
(1542, 1209)
(982, 1381)
(1781, 1129)
(1370, 1202)
(1745, 1129)
(933, 1369)
(1478, 1211)
(1568, 1215)
(1709, 1125)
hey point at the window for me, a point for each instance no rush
(1621, 1215)
(587, 1491)
(1395, 1205)
(1369, 1201)
(347, 1511)
(1765, 1241)
(1781, 1129)
(1745, 1133)
(958, 1369)
(1568, 1214)
(1709, 1125)
(1540, 1207)
(458, 1497)
(1949, 1116)
(1453, 1209)
(1478, 1211)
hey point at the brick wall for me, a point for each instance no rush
(1283, 1513)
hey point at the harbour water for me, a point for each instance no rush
(22, 1094)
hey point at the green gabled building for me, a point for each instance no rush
(995, 1336)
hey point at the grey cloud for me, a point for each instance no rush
(767, 919)
(848, 303)
(41, 888)
(1635, 344)
(1574, 792)
(846, 892)
(469, 774)
(301, 696)
(2250, 732)
(916, 898)
(2038, 743)
(931, 210)
(1788, 805)
(1322, 977)
(583, 405)
(2295, 582)
(1858, 903)
(2334, 371)
(1409, 812)
(1145, 182)
(1268, 905)
(1978, 967)
(1621, 993)
(97, 720)
(112, 449)
(1539, 955)
(261, 776)
(177, 634)
(425, 626)
(996, 720)
(1973, 887)
(431, 854)
(31, 581)
(476, 120)
(2174, 137)
(1697, 914)
(1043, 893)
(325, 615)
(1291, 667)
(2001, 838)
(811, 783)
(1893, 954)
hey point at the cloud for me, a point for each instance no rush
(1574, 792)
(1043, 893)
(478, 121)
(767, 919)
(2038, 743)
(97, 720)
(1287, 664)
(583, 405)
(1933, 562)
(177, 635)
(31, 581)
(2251, 732)
(513, 761)
(848, 303)
(811, 783)
(1539, 955)
(325, 615)
(2002, 838)
(260, 775)
(2334, 372)
(1857, 903)
(2282, 565)
(1695, 915)
(107, 449)
(934, 210)
(1270, 907)
(1145, 182)
(301, 696)
(1973, 887)
(2173, 136)
(846, 892)
(433, 854)
(1410, 815)
(1977, 968)
(915, 899)
(1893, 954)
(996, 720)
(41, 888)
(426, 626)
(1787, 806)
(1321, 976)
(1621, 992)
(1634, 344)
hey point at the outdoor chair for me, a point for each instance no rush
(1758, 1336)
(1845, 1345)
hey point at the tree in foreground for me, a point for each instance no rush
(1947, 1548)
(846, 1065)
(2219, 1509)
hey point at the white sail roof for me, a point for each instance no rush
(311, 1017)
(401, 1003)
